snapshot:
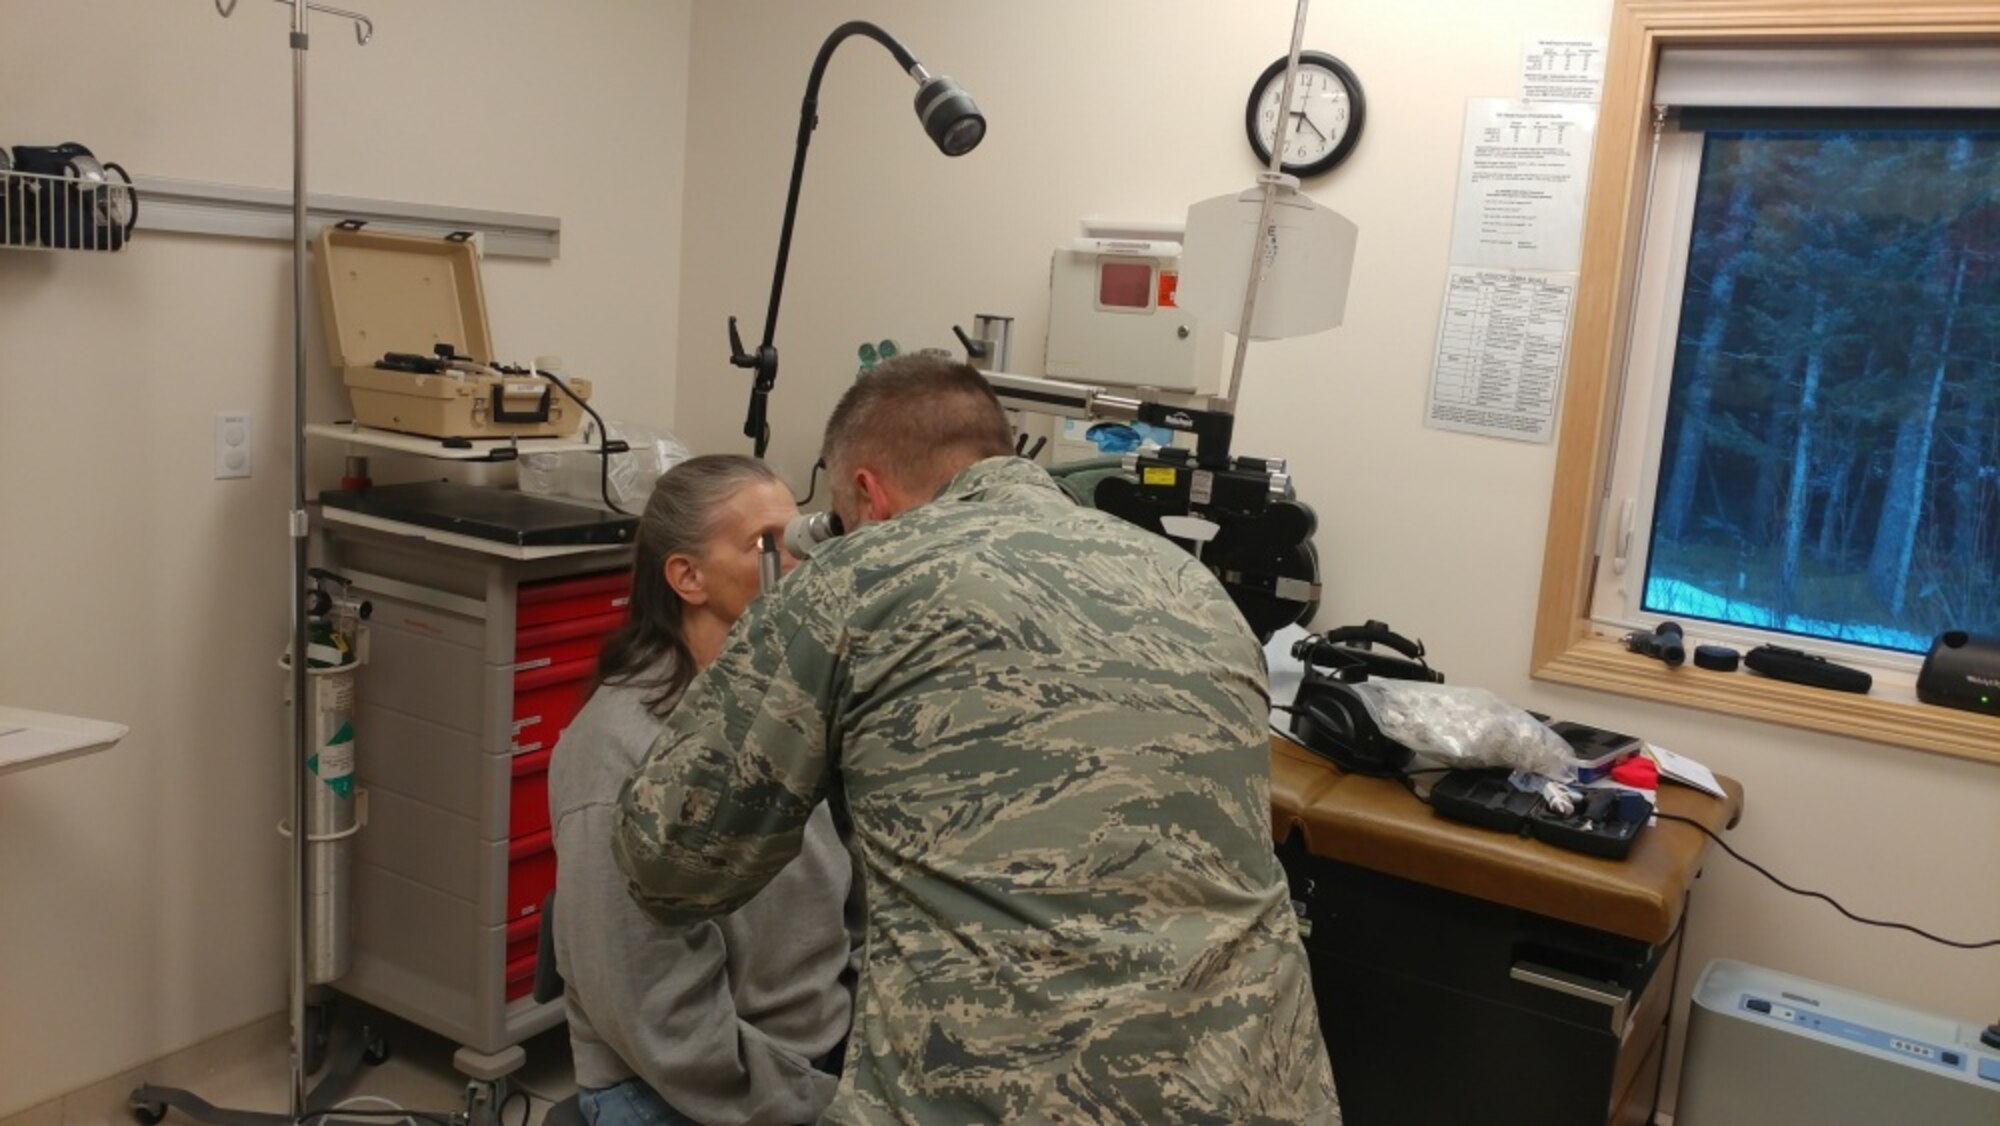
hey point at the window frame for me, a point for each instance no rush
(1569, 647)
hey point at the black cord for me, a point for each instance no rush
(1766, 873)
(527, 1106)
(603, 440)
(812, 484)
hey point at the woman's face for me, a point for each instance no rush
(728, 565)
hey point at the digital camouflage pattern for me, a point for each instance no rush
(1044, 733)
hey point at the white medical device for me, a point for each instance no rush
(1765, 1047)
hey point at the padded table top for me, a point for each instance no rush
(1375, 823)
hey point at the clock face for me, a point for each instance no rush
(1319, 129)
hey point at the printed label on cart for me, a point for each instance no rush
(1165, 477)
(526, 748)
(622, 602)
(538, 663)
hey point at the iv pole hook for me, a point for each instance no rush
(364, 28)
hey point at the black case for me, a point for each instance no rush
(1587, 830)
(1484, 798)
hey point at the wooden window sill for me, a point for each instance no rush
(1606, 665)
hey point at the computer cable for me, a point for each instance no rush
(604, 443)
(1766, 873)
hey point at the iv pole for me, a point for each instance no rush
(150, 1103)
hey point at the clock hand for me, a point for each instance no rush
(1301, 115)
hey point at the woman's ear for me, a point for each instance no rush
(684, 577)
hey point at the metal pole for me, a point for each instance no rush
(301, 706)
(1266, 236)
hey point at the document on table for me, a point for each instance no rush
(1563, 70)
(1521, 184)
(1498, 365)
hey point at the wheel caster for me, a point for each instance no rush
(482, 1101)
(149, 1113)
(375, 1052)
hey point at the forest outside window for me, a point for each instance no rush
(1822, 400)
(1781, 405)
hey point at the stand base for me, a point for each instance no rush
(150, 1104)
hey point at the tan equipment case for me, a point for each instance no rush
(381, 293)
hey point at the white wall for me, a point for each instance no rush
(142, 890)
(1134, 108)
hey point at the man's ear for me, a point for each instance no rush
(879, 499)
(684, 576)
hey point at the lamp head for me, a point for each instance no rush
(949, 115)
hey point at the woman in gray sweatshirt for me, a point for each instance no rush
(735, 1020)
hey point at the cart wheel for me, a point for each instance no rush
(375, 1052)
(482, 1101)
(149, 1113)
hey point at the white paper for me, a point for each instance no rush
(1498, 366)
(1685, 770)
(1563, 70)
(1522, 179)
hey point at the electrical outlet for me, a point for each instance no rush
(232, 444)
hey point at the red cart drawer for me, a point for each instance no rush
(520, 977)
(586, 596)
(528, 802)
(524, 936)
(531, 873)
(562, 642)
(546, 699)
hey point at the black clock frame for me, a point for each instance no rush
(1357, 114)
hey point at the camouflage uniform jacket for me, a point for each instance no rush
(1044, 733)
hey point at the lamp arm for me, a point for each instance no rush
(765, 362)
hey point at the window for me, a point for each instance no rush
(1827, 396)
(1782, 406)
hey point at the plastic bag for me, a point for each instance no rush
(576, 475)
(1464, 728)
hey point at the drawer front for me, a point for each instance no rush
(528, 804)
(520, 977)
(561, 600)
(560, 642)
(531, 874)
(546, 700)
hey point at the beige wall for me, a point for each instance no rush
(1134, 108)
(142, 901)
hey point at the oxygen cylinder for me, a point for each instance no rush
(330, 823)
(330, 798)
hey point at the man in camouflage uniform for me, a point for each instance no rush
(1044, 733)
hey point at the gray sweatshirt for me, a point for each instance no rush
(719, 1017)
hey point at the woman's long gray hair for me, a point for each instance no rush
(650, 650)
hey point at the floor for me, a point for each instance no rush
(248, 1069)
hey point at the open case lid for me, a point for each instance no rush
(381, 293)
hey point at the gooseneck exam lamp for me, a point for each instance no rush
(949, 118)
